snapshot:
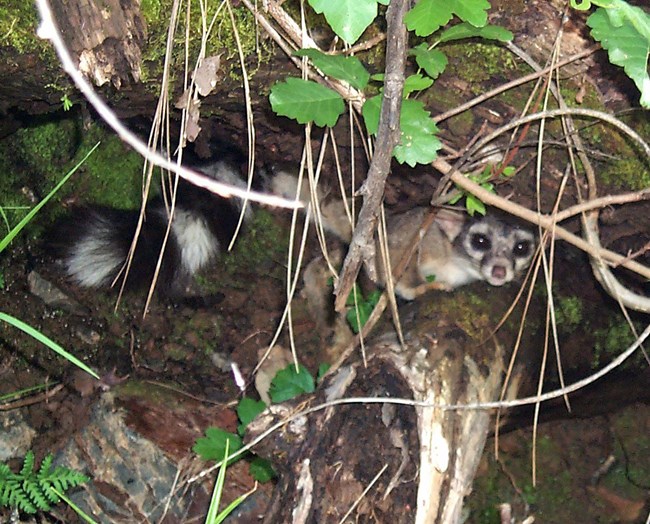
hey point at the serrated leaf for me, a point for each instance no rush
(347, 18)
(306, 101)
(416, 83)
(288, 383)
(427, 16)
(432, 61)
(213, 445)
(465, 30)
(626, 47)
(418, 143)
(247, 410)
(346, 68)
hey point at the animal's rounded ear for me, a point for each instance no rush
(450, 222)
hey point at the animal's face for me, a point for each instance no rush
(500, 251)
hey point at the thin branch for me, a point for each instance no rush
(388, 135)
(514, 83)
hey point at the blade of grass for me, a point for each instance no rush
(12, 234)
(47, 341)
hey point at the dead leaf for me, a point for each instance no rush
(192, 128)
(206, 74)
(182, 101)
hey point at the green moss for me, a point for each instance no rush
(629, 172)
(221, 40)
(478, 62)
(568, 313)
(18, 24)
(112, 176)
(32, 160)
(472, 312)
(611, 341)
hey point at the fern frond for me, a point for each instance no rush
(29, 491)
(28, 464)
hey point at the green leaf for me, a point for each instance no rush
(430, 15)
(416, 83)
(347, 68)
(358, 316)
(306, 101)
(432, 61)
(288, 383)
(418, 143)
(213, 445)
(261, 469)
(355, 295)
(247, 410)
(347, 18)
(627, 43)
(370, 111)
(322, 369)
(465, 30)
(474, 205)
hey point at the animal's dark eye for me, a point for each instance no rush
(480, 242)
(521, 249)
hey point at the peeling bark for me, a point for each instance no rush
(109, 46)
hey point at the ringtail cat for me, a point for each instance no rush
(454, 251)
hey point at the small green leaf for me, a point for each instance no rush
(322, 369)
(370, 111)
(347, 68)
(465, 30)
(358, 316)
(347, 18)
(416, 83)
(355, 295)
(430, 278)
(474, 205)
(418, 143)
(247, 410)
(432, 61)
(306, 101)
(261, 469)
(213, 445)
(288, 383)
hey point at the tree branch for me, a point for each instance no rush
(362, 245)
